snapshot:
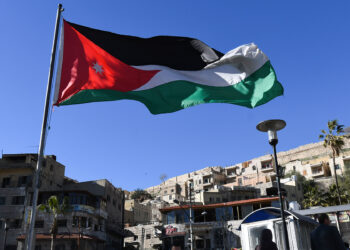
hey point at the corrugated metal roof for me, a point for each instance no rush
(322, 210)
(225, 204)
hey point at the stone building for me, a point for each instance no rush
(94, 220)
(214, 229)
(313, 161)
(136, 213)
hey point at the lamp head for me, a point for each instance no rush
(271, 127)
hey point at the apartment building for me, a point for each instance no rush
(313, 161)
(226, 194)
(95, 218)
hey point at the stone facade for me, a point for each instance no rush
(137, 213)
(94, 220)
(313, 161)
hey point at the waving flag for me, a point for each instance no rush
(166, 73)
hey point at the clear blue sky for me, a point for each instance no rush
(307, 42)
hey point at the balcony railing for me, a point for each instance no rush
(267, 168)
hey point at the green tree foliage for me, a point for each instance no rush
(313, 196)
(334, 139)
(141, 195)
(54, 208)
(332, 195)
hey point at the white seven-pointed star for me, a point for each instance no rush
(97, 68)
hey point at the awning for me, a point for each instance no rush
(269, 213)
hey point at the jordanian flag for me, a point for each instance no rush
(166, 73)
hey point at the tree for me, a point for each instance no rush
(301, 178)
(54, 208)
(141, 195)
(312, 195)
(332, 195)
(163, 177)
(334, 139)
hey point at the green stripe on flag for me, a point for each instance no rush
(257, 89)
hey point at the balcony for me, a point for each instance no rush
(90, 210)
(207, 184)
(266, 169)
(15, 191)
(231, 175)
(317, 170)
(266, 166)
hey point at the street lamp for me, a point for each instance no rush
(271, 127)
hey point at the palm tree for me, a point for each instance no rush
(332, 195)
(334, 139)
(54, 208)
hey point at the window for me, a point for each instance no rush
(119, 207)
(50, 183)
(206, 189)
(75, 222)
(135, 237)
(206, 180)
(266, 164)
(11, 247)
(207, 244)
(39, 224)
(51, 167)
(89, 222)
(218, 199)
(62, 223)
(17, 200)
(60, 247)
(17, 223)
(199, 243)
(83, 221)
(2, 200)
(165, 192)
(22, 181)
(148, 236)
(114, 203)
(294, 168)
(38, 247)
(200, 181)
(337, 166)
(243, 170)
(210, 199)
(240, 182)
(6, 182)
(254, 167)
(108, 198)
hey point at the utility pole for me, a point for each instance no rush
(191, 218)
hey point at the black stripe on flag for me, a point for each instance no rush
(180, 53)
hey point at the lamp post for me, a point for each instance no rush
(271, 127)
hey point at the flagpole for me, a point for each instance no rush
(30, 235)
